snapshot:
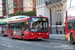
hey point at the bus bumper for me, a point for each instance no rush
(39, 37)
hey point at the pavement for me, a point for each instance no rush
(57, 36)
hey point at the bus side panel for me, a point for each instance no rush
(66, 28)
(9, 33)
(26, 34)
(29, 28)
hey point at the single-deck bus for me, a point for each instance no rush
(70, 21)
(29, 28)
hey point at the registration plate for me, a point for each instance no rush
(40, 38)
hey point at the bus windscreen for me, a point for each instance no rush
(39, 24)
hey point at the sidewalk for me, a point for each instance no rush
(57, 36)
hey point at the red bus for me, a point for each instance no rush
(29, 28)
(70, 21)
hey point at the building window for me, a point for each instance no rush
(38, 2)
(4, 8)
(33, 5)
(68, 4)
(21, 4)
(72, 3)
(14, 4)
(3, 1)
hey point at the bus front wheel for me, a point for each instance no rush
(72, 39)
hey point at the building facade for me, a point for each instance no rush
(29, 5)
(55, 10)
(34, 5)
(14, 6)
(1, 13)
(4, 8)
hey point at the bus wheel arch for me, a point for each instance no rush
(71, 38)
(12, 35)
(23, 36)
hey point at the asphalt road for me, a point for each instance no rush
(49, 44)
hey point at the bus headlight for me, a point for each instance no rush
(47, 33)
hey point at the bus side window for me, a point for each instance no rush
(16, 26)
(22, 24)
(9, 26)
(26, 26)
(19, 27)
(69, 24)
(12, 26)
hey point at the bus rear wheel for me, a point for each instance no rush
(40, 39)
(11, 36)
(72, 39)
(3, 34)
(23, 37)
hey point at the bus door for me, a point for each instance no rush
(27, 29)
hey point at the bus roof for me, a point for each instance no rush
(21, 19)
(20, 16)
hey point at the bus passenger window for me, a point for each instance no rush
(19, 27)
(22, 25)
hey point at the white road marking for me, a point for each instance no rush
(64, 46)
(22, 48)
(46, 46)
(24, 42)
(2, 44)
(56, 43)
(17, 47)
(10, 46)
(7, 39)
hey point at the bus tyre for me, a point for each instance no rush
(3, 34)
(11, 36)
(72, 39)
(40, 39)
(22, 37)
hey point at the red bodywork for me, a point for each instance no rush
(29, 34)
